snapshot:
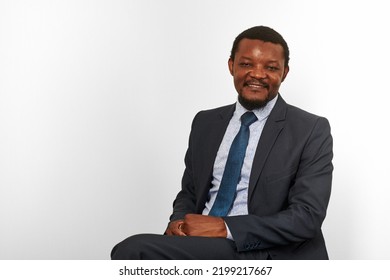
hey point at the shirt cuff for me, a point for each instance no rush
(229, 234)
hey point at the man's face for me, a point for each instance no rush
(258, 70)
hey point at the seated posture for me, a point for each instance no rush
(258, 173)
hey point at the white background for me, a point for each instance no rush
(97, 99)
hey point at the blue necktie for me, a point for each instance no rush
(232, 173)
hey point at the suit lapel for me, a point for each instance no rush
(270, 133)
(216, 129)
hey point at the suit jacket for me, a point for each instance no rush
(289, 187)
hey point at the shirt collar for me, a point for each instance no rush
(261, 113)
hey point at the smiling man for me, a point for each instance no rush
(258, 172)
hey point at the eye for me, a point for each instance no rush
(272, 68)
(244, 64)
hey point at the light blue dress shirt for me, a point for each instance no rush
(240, 204)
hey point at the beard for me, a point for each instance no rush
(253, 104)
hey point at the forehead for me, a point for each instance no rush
(257, 49)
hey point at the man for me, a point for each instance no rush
(258, 173)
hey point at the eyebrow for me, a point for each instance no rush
(269, 61)
(245, 57)
(273, 61)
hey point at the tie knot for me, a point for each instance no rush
(248, 118)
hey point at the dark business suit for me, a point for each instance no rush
(289, 186)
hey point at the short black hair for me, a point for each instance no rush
(265, 34)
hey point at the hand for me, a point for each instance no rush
(200, 225)
(175, 228)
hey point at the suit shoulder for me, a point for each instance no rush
(218, 110)
(302, 115)
(222, 111)
(301, 120)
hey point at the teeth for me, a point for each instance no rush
(256, 86)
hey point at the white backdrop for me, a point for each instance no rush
(97, 99)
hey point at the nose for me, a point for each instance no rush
(258, 73)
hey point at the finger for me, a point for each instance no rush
(179, 230)
(180, 233)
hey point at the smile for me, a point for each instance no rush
(256, 86)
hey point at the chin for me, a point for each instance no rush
(251, 104)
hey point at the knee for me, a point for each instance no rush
(132, 248)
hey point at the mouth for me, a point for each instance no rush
(256, 85)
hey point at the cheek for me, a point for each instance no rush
(239, 76)
(276, 81)
(238, 81)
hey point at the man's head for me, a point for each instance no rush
(259, 64)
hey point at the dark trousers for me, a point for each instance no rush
(164, 247)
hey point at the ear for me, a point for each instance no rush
(230, 64)
(286, 69)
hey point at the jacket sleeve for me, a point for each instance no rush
(185, 201)
(307, 200)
